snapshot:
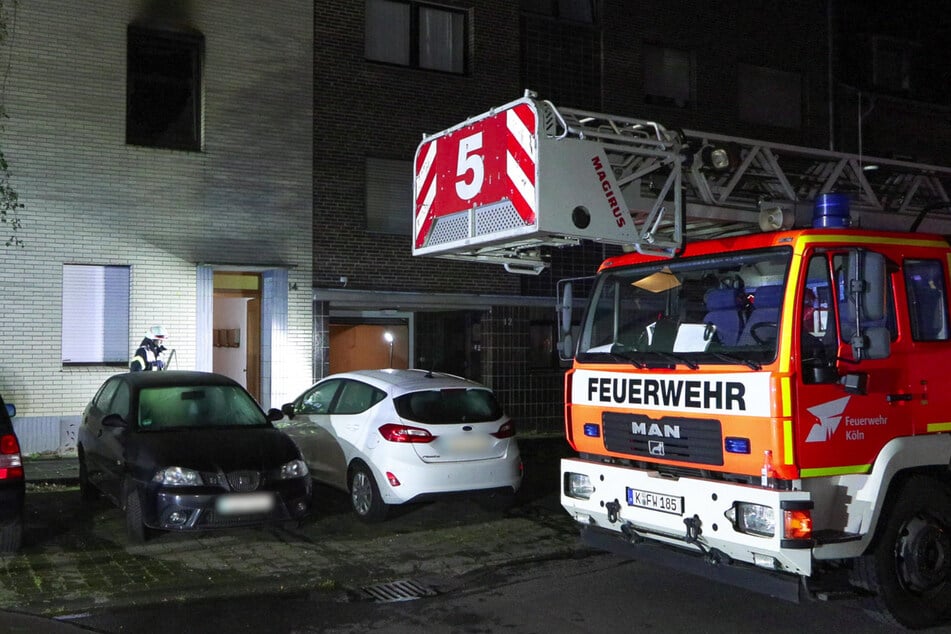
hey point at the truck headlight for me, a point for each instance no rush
(753, 519)
(578, 485)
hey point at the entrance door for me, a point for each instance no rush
(237, 329)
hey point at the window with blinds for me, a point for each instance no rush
(389, 196)
(95, 327)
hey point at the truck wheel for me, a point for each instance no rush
(909, 568)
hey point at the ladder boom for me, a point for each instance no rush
(500, 186)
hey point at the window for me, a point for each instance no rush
(416, 35)
(95, 314)
(356, 397)
(389, 196)
(769, 97)
(668, 76)
(891, 63)
(573, 10)
(927, 301)
(318, 399)
(163, 89)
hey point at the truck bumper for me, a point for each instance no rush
(690, 514)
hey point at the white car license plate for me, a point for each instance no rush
(244, 503)
(466, 443)
(655, 501)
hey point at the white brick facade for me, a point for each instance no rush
(244, 200)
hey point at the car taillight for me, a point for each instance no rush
(405, 433)
(11, 465)
(507, 430)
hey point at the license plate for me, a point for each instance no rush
(466, 443)
(245, 503)
(655, 501)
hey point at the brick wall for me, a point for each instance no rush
(91, 199)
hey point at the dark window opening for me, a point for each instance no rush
(163, 90)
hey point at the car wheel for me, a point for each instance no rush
(136, 529)
(11, 536)
(87, 491)
(365, 495)
(909, 566)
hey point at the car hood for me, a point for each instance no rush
(258, 448)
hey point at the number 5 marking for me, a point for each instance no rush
(469, 161)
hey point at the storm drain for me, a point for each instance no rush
(405, 590)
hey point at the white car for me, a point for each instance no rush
(397, 436)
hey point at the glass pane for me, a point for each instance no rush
(196, 406)
(387, 31)
(703, 306)
(769, 96)
(927, 304)
(452, 406)
(95, 326)
(576, 10)
(667, 75)
(441, 37)
(389, 195)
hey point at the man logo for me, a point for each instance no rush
(656, 447)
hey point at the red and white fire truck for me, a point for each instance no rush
(759, 378)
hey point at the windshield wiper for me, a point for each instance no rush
(693, 365)
(730, 358)
(618, 352)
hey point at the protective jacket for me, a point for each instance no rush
(146, 357)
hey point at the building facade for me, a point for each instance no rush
(162, 152)
(387, 72)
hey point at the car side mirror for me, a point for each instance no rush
(114, 420)
(287, 409)
(274, 414)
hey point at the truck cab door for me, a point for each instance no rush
(851, 395)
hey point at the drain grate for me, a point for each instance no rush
(404, 590)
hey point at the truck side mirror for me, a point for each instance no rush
(866, 299)
(564, 308)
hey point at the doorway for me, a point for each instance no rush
(366, 345)
(236, 328)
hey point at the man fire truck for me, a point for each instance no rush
(775, 403)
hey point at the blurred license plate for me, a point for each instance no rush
(466, 443)
(655, 501)
(246, 503)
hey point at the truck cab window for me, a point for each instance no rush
(927, 300)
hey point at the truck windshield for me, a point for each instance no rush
(723, 308)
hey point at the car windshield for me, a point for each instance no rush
(692, 310)
(449, 406)
(195, 406)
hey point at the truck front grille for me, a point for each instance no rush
(694, 440)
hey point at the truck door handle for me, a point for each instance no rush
(894, 398)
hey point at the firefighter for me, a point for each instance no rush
(147, 355)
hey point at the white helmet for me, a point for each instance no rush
(156, 333)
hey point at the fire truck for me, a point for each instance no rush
(758, 389)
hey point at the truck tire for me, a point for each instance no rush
(908, 569)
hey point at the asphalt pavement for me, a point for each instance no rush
(76, 558)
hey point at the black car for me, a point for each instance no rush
(188, 451)
(12, 483)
